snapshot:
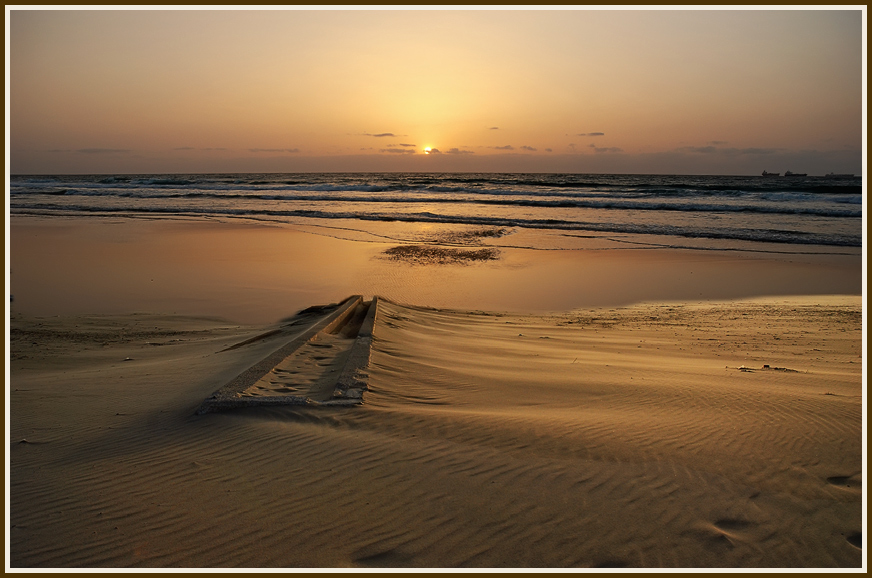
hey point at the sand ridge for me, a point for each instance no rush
(324, 363)
(598, 438)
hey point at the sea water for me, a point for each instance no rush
(823, 213)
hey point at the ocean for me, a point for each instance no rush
(719, 212)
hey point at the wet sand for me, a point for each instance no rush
(669, 433)
(260, 272)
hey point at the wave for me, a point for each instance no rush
(769, 235)
(652, 184)
(782, 205)
(813, 210)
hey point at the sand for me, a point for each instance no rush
(667, 433)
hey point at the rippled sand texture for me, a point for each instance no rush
(650, 436)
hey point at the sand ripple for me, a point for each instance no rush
(621, 438)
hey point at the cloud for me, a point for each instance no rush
(457, 151)
(700, 150)
(597, 149)
(547, 150)
(407, 145)
(435, 152)
(397, 151)
(716, 142)
(504, 148)
(494, 128)
(103, 151)
(381, 134)
(274, 150)
(591, 134)
(58, 151)
(526, 148)
(208, 149)
(727, 151)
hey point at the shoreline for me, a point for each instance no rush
(262, 272)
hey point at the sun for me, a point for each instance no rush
(427, 150)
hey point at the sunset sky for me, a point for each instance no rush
(627, 91)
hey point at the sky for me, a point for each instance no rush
(517, 90)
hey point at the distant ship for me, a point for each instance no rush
(789, 174)
(765, 174)
(839, 176)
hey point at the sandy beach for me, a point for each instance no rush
(492, 288)
(591, 407)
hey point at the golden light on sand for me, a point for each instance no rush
(581, 355)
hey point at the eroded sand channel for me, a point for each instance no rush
(324, 364)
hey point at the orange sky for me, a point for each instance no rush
(724, 92)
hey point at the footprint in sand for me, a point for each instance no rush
(852, 482)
